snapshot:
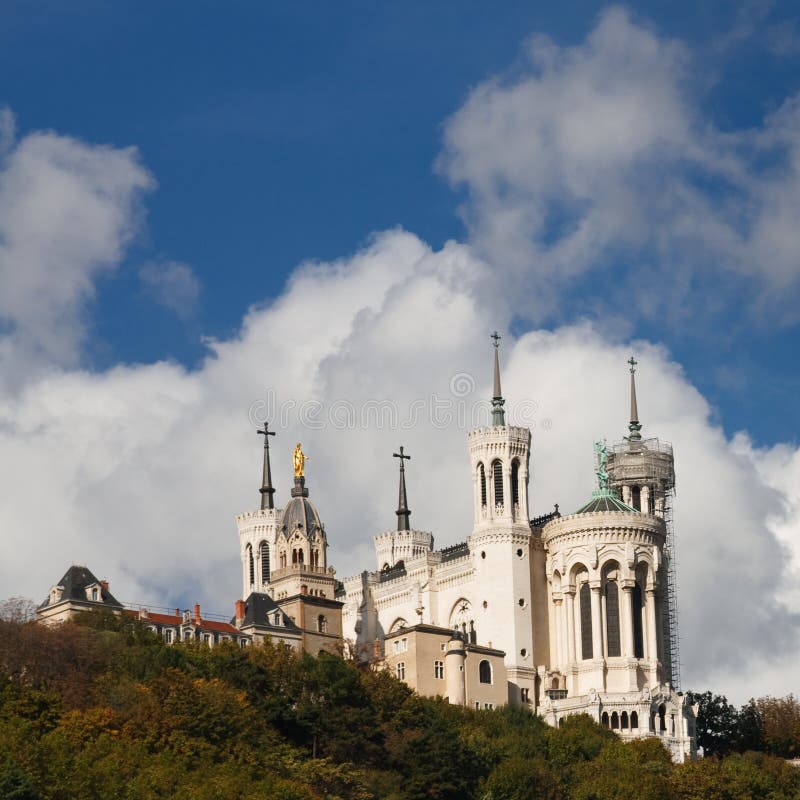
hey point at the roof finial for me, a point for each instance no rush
(403, 512)
(498, 415)
(266, 477)
(299, 459)
(634, 426)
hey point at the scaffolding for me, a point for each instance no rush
(649, 463)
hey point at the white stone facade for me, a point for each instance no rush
(576, 602)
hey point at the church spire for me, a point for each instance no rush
(634, 426)
(403, 512)
(266, 476)
(498, 414)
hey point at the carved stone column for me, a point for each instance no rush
(627, 619)
(570, 614)
(597, 621)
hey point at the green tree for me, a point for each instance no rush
(717, 724)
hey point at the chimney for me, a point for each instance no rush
(177, 612)
(197, 613)
(104, 584)
(239, 613)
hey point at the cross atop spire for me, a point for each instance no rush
(403, 512)
(634, 426)
(498, 414)
(266, 477)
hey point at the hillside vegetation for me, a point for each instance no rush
(102, 709)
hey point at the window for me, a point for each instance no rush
(634, 720)
(515, 482)
(322, 624)
(207, 638)
(485, 672)
(586, 621)
(438, 670)
(638, 637)
(264, 552)
(604, 720)
(623, 720)
(401, 670)
(94, 593)
(662, 717)
(482, 475)
(276, 618)
(488, 706)
(477, 705)
(651, 501)
(615, 721)
(612, 620)
(497, 477)
(168, 636)
(636, 498)
(525, 695)
(251, 565)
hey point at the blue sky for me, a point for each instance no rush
(284, 132)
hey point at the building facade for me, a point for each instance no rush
(580, 605)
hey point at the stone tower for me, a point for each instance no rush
(501, 540)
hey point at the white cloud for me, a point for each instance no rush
(596, 156)
(67, 210)
(171, 284)
(139, 471)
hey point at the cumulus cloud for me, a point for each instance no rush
(171, 284)
(598, 158)
(67, 210)
(138, 471)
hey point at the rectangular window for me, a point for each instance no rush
(438, 670)
(403, 645)
(401, 670)
(168, 636)
(488, 706)
(206, 638)
(525, 695)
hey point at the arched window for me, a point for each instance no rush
(251, 565)
(636, 497)
(612, 619)
(283, 560)
(482, 476)
(604, 719)
(634, 721)
(651, 501)
(662, 717)
(623, 720)
(294, 556)
(586, 622)
(264, 562)
(485, 672)
(615, 721)
(497, 477)
(515, 482)
(638, 636)
(300, 556)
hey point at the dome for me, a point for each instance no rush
(300, 513)
(604, 500)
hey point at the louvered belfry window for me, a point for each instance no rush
(264, 562)
(515, 482)
(497, 474)
(482, 472)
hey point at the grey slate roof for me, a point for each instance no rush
(74, 583)
(300, 515)
(259, 611)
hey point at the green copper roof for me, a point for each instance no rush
(604, 500)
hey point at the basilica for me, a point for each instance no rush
(560, 614)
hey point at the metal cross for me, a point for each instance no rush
(266, 433)
(497, 337)
(633, 362)
(401, 455)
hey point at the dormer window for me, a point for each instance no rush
(94, 593)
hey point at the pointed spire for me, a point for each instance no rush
(403, 512)
(266, 477)
(498, 414)
(634, 426)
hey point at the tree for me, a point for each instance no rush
(18, 609)
(717, 724)
(15, 785)
(780, 718)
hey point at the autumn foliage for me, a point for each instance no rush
(102, 709)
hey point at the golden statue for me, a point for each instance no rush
(299, 461)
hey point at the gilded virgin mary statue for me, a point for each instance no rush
(299, 461)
